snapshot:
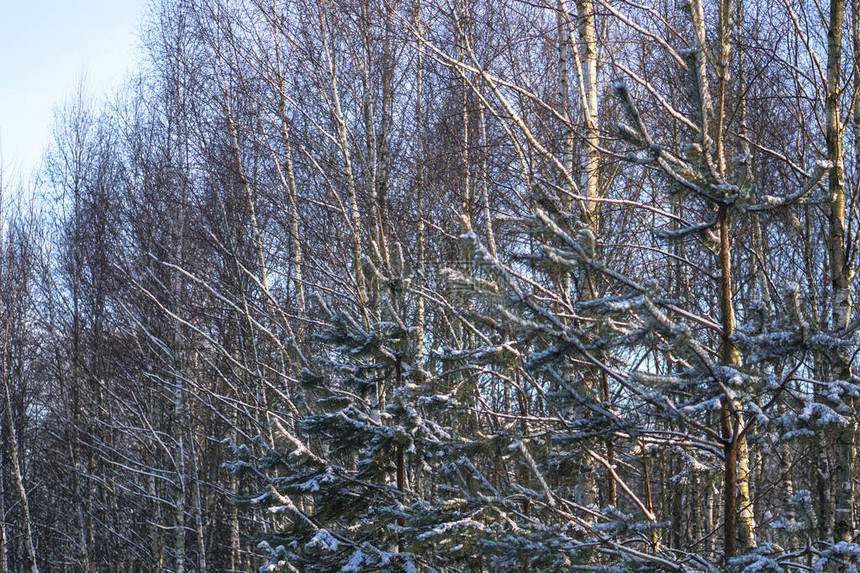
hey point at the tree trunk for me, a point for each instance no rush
(738, 511)
(844, 438)
(4, 537)
(591, 155)
(19, 477)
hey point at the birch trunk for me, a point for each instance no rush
(19, 477)
(290, 172)
(4, 537)
(739, 524)
(844, 438)
(419, 184)
(590, 155)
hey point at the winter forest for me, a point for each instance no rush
(443, 286)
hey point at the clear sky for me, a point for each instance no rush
(46, 46)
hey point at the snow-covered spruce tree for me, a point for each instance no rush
(337, 475)
(400, 468)
(716, 395)
(373, 478)
(672, 393)
(776, 357)
(684, 375)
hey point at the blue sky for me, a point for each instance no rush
(46, 46)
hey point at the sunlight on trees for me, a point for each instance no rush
(443, 286)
